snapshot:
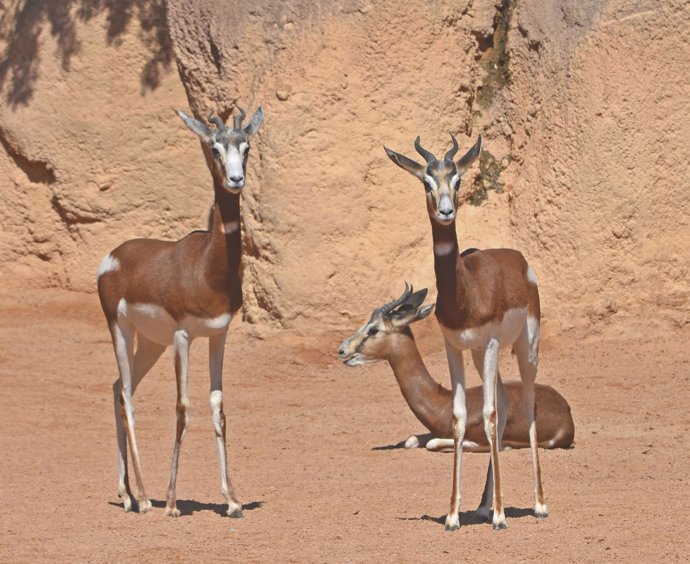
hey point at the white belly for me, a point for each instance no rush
(506, 332)
(157, 325)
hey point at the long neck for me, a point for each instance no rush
(225, 249)
(445, 266)
(429, 401)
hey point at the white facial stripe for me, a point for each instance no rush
(243, 147)
(108, 264)
(430, 181)
(233, 163)
(454, 180)
(219, 147)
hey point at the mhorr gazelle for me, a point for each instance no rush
(161, 293)
(387, 336)
(487, 299)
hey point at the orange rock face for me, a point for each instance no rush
(582, 109)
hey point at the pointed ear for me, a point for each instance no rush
(464, 163)
(414, 168)
(202, 130)
(256, 122)
(423, 312)
(416, 299)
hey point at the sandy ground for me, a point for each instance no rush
(312, 459)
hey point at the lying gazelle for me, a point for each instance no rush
(486, 300)
(171, 292)
(387, 336)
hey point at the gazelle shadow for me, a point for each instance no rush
(401, 444)
(471, 518)
(190, 506)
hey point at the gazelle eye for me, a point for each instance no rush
(373, 330)
(427, 186)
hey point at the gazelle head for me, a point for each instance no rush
(372, 341)
(441, 179)
(229, 146)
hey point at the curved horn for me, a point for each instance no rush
(454, 149)
(217, 121)
(390, 306)
(428, 156)
(237, 120)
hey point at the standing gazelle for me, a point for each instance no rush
(171, 292)
(486, 300)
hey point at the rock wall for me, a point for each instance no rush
(581, 106)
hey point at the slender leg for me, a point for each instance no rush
(216, 349)
(490, 427)
(181, 346)
(457, 375)
(484, 509)
(123, 341)
(146, 356)
(527, 352)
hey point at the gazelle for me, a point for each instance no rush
(486, 300)
(387, 336)
(171, 292)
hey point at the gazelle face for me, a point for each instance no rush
(441, 179)
(368, 344)
(230, 160)
(372, 341)
(230, 147)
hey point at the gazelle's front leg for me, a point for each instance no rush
(490, 427)
(181, 350)
(457, 375)
(216, 351)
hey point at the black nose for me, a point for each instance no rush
(236, 179)
(341, 351)
(446, 212)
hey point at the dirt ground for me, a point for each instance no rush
(311, 453)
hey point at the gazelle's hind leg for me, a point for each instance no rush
(216, 350)
(527, 352)
(123, 389)
(484, 509)
(181, 346)
(146, 356)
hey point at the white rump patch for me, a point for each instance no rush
(108, 264)
(531, 276)
(443, 248)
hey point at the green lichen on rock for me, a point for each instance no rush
(494, 58)
(489, 178)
